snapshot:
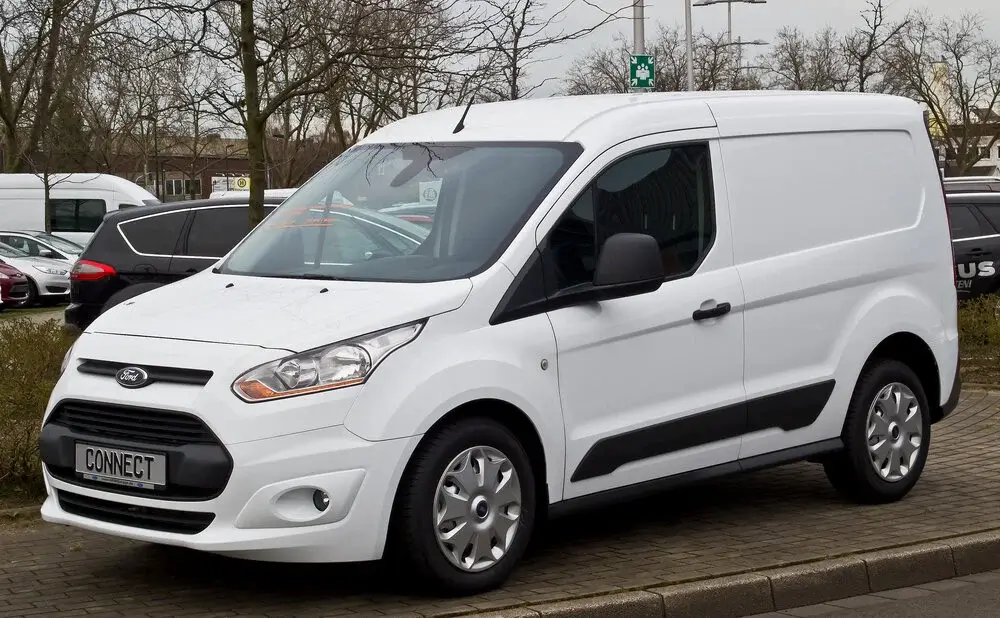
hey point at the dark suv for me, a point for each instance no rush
(139, 249)
(975, 236)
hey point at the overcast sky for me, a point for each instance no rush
(749, 21)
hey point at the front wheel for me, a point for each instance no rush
(466, 508)
(886, 435)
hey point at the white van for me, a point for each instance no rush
(79, 202)
(618, 294)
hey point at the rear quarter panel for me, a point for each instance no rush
(844, 247)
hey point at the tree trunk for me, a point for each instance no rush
(255, 129)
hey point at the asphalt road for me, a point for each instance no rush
(976, 596)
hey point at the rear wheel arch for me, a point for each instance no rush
(913, 351)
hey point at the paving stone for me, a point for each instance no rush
(760, 522)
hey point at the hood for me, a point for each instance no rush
(9, 270)
(284, 314)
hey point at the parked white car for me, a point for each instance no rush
(618, 294)
(42, 244)
(48, 280)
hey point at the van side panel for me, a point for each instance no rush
(837, 238)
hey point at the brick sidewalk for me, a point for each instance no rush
(757, 521)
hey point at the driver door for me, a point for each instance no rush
(651, 385)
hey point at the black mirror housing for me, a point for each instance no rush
(627, 259)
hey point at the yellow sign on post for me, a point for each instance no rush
(242, 184)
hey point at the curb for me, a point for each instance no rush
(771, 590)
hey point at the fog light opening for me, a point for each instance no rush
(321, 500)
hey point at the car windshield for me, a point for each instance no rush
(61, 244)
(11, 252)
(341, 224)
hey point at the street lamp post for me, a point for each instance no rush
(689, 44)
(729, 5)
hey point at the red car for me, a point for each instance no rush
(13, 286)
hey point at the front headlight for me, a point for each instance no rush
(50, 271)
(334, 366)
(3, 276)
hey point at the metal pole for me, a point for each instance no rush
(638, 28)
(689, 45)
(729, 5)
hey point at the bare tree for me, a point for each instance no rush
(798, 62)
(716, 65)
(863, 49)
(950, 66)
(519, 32)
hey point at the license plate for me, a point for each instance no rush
(120, 466)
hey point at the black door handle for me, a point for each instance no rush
(714, 312)
(978, 253)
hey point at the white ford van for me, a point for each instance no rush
(616, 296)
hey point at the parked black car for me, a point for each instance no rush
(975, 236)
(138, 249)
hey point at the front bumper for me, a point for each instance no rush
(266, 510)
(260, 505)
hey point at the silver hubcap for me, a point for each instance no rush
(477, 508)
(895, 432)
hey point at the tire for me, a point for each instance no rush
(32, 298)
(415, 549)
(852, 472)
(128, 293)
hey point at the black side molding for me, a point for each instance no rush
(789, 410)
(638, 490)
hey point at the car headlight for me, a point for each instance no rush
(337, 365)
(50, 271)
(3, 276)
(65, 360)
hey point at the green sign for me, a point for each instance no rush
(640, 72)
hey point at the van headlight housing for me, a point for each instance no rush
(337, 365)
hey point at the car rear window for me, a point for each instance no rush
(155, 234)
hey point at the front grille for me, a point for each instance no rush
(148, 518)
(176, 375)
(198, 464)
(134, 424)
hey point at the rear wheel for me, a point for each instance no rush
(886, 436)
(466, 509)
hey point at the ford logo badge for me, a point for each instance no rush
(132, 377)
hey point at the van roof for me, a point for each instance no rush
(617, 117)
(105, 181)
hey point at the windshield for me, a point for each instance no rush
(346, 222)
(11, 252)
(61, 244)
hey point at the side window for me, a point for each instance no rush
(214, 231)
(19, 243)
(154, 235)
(964, 223)
(77, 215)
(666, 193)
(992, 214)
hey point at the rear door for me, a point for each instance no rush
(977, 249)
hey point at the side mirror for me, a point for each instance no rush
(46, 253)
(628, 260)
(628, 265)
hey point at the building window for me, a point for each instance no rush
(181, 187)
